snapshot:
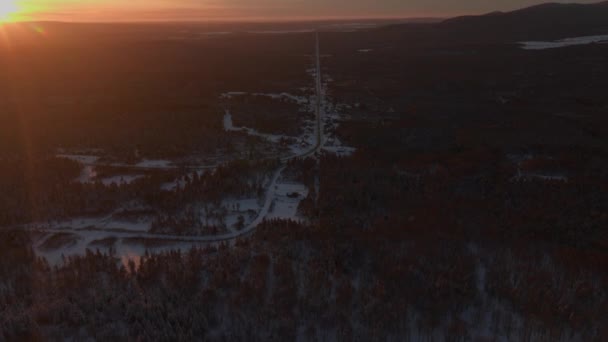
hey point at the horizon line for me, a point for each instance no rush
(231, 20)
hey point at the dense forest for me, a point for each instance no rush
(473, 207)
(299, 282)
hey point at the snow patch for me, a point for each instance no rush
(155, 164)
(287, 197)
(87, 175)
(342, 151)
(231, 94)
(229, 127)
(120, 180)
(285, 96)
(83, 159)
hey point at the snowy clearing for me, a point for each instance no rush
(125, 249)
(341, 151)
(155, 164)
(87, 175)
(287, 198)
(524, 176)
(229, 127)
(120, 180)
(83, 159)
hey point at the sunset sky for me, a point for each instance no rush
(138, 10)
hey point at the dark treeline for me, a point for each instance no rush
(292, 281)
(118, 90)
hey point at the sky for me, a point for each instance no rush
(143, 10)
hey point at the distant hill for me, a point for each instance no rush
(546, 21)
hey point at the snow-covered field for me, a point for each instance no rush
(107, 223)
(519, 159)
(526, 176)
(91, 160)
(565, 42)
(83, 159)
(342, 151)
(248, 209)
(120, 180)
(239, 216)
(155, 164)
(87, 175)
(125, 249)
(229, 127)
(331, 113)
(287, 197)
(300, 144)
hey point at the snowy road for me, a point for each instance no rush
(318, 105)
(270, 192)
(269, 197)
(147, 166)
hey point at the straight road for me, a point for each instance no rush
(318, 127)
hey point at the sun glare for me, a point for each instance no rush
(8, 10)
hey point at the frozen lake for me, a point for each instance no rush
(565, 42)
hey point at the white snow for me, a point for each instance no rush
(280, 200)
(297, 99)
(242, 205)
(140, 225)
(519, 159)
(565, 42)
(154, 164)
(87, 175)
(285, 204)
(172, 186)
(101, 223)
(332, 113)
(342, 151)
(83, 159)
(229, 127)
(301, 100)
(536, 176)
(247, 208)
(231, 94)
(125, 251)
(120, 180)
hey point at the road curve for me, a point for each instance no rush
(270, 192)
(269, 197)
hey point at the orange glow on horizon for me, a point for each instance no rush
(8, 10)
(21, 10)
(168, 10)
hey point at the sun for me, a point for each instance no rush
(8, 9)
